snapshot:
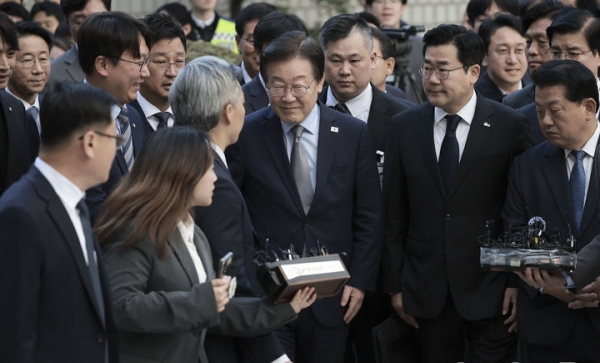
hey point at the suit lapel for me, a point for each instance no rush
(555, 173)
(424, 142)
(273, 139)
(203, 249)
(183, 256)
(482, 127)
(328, 142)
(75, 72)
(57, 212)
(378, 121)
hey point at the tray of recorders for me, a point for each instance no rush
(530, 246)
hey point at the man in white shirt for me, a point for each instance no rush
(54, 305)
(32, 68)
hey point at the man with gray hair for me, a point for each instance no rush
(226, 222)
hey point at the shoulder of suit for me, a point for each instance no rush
(10, 103)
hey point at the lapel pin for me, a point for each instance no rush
(486, 124)
(133, 124)
(10, 109)
(334, 129)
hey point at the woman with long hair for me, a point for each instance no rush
(159, 263)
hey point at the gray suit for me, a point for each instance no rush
(65, 69)
(162, 309)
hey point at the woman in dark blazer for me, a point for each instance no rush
(159, 263)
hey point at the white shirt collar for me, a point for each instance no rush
(67, 191)
(359, 106)
(466, 113)
(247, 77)
(203, 23)
(150, 110)
(590, 145)
(310, 123)
(26, 104)
(219, 152)
(504, 93)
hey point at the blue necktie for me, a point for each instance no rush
(577, 182)
(449, 153)
(162, 118)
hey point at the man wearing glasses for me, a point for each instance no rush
(447, 164)
(114, 55)
(309, 180)
(167, 57)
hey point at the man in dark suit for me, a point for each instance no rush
(226, 222)
(446, 171)
(268, 28)
(66, 67)
(349, 62)
(309, 180)
(541, 184)
(55, 304)
(505, 58)
(113, 53)
(167, 57)
(535, 21)
(18, 135)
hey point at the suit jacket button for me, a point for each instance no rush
(447, 217)
(100, 338)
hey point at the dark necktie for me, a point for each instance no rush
(301, 169)
(577, 182)
(163, 119)
(449, 153)
(341, 107)
(127, 147)
(84, 215)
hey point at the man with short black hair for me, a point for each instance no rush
(66, 67)
(55, 304)
(446, 171)
(554, 181)
(245, 23)
(114, 55)
(167, 57)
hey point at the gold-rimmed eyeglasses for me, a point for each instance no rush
(442, 73)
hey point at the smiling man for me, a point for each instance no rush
(505, 57)
(113, 54)
(167, 57)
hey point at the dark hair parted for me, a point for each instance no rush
(545, 9)
(71, 108)
(575, 21)
(110, 34)
(177, 11)
(289, 46)
(254, 11)
(71, 6)
(25, 28)
(489, 27)
(273, 25)
(469, 45)
(8, 32)
(163, 26)
(50, 8)
(576, 79)
(341, 26)
(156, 194)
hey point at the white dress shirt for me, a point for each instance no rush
(462, 130)
(186, 229)
(309, 140)
(588, 160)
(69, 195)
(359, 106)
(150, 110)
